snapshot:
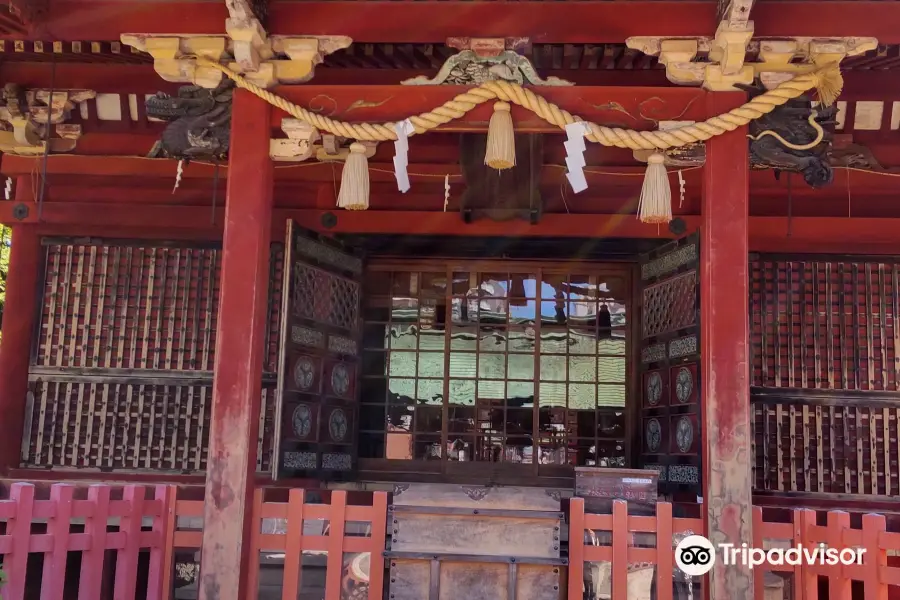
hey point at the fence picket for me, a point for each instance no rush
(127, 557)
(18, 528)
(810, 584)
(838, 582)
(759, 575)
(91, 577)
(54, 576)
(620, 550)
(293, 546)
(875, 558)
(576, 549)
(335, 564)
(376, 558)
(664, 553)
(159, 577)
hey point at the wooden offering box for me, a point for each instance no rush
(453, 542)
(600, 486)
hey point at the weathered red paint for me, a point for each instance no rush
(19, 314)
(240, 338)
(590, 21)
(724, 232)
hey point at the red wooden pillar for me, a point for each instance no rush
(240, 337)
(19, 314)
(725, 349)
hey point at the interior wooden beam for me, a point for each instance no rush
(432, 21)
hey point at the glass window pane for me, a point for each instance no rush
(521, 340)
(521, 366)
(430, 391)
(610, 395)
(611, 370)
(462, 364)
(520, 393)
(492, 366)
(582, 396)
(431, 364)
(402, 364)
(462, 391)
(582, 340)
(552, 394)
(492, 339)
(553, 368)
(582, 368)
(493, 390)
(402, 387)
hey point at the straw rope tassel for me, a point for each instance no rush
(656, 195)
(354, 194)
(501, 139)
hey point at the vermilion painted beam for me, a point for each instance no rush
(630, 107)
(19, 314)
(234, 425)
(725, 402)
(767, 234)
(430, 21)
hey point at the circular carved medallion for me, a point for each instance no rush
(684, 434)
(304, 374)
(684, 385)
(340, 379)
(301, 421)
(337, 424)
(653, 389)
(653, 435)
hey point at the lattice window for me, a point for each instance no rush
(517, 365)
(825, 324)
(825, 347)
(122, 365)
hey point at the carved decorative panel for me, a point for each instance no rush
(318, 364)
(670, 348)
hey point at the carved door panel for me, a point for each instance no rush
(317, 412)
(670, 364)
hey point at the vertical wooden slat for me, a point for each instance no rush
(54, 262)
(779, 445)
(764, 322)
(127, 557)
(336, 523)
(620, 550)
(91, 576)
(576, 547)
(54, 576)
(18, 528)
(809, 586)
(838, 584)
(255, 531)
(820, 459)
(870, 330)
(829, 319)
(379, 531)
(793, 464)
(875, 558)
(776, 326)
(845, 422)
(804, 307)
(845, 375)
(162, 556)
(817, 325)
(293, 550)
(854, 319)
(664, 562)
(789, 309)
(758, 573)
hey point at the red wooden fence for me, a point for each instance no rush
(874, 573)
(148, 520)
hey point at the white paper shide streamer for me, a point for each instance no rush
(401, 154)
(574, 144)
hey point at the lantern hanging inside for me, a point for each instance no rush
(501, 140)
(656, 196)
(354, 194)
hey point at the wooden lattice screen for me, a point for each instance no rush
(121, 374)
(825, 346)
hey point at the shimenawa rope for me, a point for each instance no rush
(827, 80)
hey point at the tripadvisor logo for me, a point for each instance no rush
(695, 555)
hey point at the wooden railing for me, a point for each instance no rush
(134, 520)
(874, 573)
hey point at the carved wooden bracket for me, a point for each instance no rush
(264, 60)
(725, 67)
(486, 60)
(299, 143)
(334, 148)
(28, 114)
